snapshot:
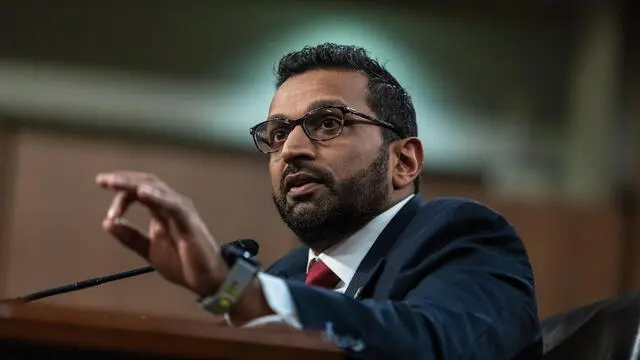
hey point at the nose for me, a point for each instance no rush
(297, 145)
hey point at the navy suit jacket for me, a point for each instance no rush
(446, 279)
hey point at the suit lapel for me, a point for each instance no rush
(293, 266)
(299, 276)
(366, 274)
(373, 263)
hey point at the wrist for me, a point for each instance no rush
(239, 278)
(251, 304)
(210, 285)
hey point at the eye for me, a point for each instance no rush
(330, 123)
(279, 135)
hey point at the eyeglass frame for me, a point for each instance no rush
(300, 121)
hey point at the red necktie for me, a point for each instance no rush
(320, 275)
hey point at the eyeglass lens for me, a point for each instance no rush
(321, 124)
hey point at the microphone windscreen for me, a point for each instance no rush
(249, 245)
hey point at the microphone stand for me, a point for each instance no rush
(86, 284)
(76, 286)
(245, 249)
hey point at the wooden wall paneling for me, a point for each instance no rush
(6, 200)
(55, 234)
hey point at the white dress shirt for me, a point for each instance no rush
(343, 259)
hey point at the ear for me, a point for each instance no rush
(407, 161)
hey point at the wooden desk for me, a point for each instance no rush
(52, 332)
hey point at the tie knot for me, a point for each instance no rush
(320, 275)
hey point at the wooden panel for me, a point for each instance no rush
(574, 251)
(6, 179)
(55, 235)
(55, 232)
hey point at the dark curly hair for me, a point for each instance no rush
(385, 96)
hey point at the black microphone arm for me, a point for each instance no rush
(245, 248)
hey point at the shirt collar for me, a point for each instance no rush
(345, 257)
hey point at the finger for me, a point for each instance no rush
(168, 204)
(146, 188)
(161, 236)
(125, 180)
(120, 204)
(158, 229)
(128, 235)
(123, 200)
(128, 183)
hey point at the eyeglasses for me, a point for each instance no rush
(321, 124)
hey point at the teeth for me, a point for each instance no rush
(300, 184)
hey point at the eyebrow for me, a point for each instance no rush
(314, 105)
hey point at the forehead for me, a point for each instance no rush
(296, 95)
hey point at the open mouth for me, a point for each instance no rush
(300, 184)
(301, 190)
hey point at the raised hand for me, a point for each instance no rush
(177, 243)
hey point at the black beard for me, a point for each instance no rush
(348, 206)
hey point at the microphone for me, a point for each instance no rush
(245, 248)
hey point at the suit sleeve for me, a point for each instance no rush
(472, 297)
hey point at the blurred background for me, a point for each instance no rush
(529, 106)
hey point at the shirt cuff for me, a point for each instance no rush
(279, 299)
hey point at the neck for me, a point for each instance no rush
(327, 235)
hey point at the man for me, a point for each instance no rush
(400, 277)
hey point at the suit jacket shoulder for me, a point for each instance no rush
(413, 219)
(293, 265)
(442, 230)
(454, 281)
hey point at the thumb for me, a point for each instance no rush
(128, 235)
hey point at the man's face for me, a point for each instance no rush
(326, 190)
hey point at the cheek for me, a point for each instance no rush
(349, 164)
(275, 172)
(356, 151)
